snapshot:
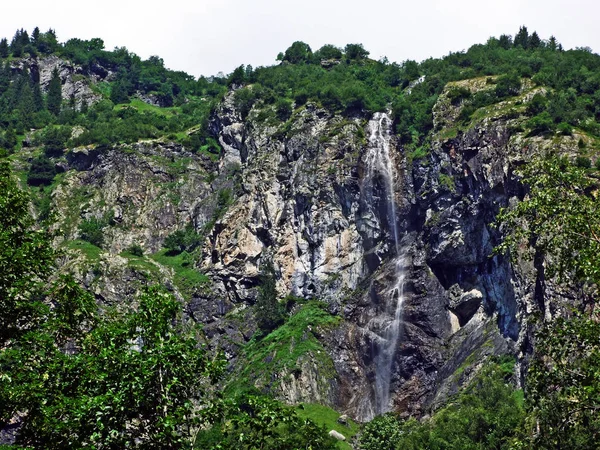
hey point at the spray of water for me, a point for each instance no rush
(386, 326)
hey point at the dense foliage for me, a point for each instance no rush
(74, 377)
(485, 415)
(346, 81)
(559, 219)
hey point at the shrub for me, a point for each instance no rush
(564, 129)
(268, 311)
(540, 124)
(537, 104)
(457, 94)
(42, 172)
(508, 85)
(135, 250)
(182, 240)
(92, 230)
(55, 140)
(583, 161)
(283, 108)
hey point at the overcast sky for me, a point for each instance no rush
(205, 37)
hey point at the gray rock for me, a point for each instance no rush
(337, 435)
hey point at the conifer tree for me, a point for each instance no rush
(54, 100)
(534, 40)
(35, 36)
(522, 38)
(26, 105)
(3, 48)
(38, 99)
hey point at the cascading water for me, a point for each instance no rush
(385, 327)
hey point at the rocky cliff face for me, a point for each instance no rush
(313, 203)
(78, 85)
(400, 249)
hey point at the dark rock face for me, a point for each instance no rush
(304, 205)
(387, 243)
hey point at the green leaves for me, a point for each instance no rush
(137, 376)
(258, 422)
(559, 217)
(563, 385)
(487, 414)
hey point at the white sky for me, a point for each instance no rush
(204, 37)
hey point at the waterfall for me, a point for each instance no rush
(385, 327)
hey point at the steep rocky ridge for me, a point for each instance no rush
(303, 195)
(78, 85)
(304, 206)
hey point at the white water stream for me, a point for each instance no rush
(386, 325)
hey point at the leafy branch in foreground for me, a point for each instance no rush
(559, 218)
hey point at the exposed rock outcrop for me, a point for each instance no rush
(306, 196)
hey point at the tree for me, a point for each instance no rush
(559, 220)
(329, 51)
(355, 52)
(4, 48)
(269, 313)
(42, 172)
(78, 379)
(54, 99)
(505, 41)
(486, 414)
(26, 259)
(257, 422)
(35, 36)
(522, 38)
(563, 391)
(508, 85)
(237, 77)
(38, 98)
(133, 378)
(299, 52)
(534, 41)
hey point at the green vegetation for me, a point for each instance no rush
(130, 377)
(487, 414)
(182, 240)
(328, 418)
(92, 230)
(288, 346)
(187, 278)
(127, 377)
(269, 313)
(90, 251)
(559, 218)
(251, 422)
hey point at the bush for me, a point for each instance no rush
(583, 161)
(268, 311)
(537, 104)
(283, 108)
(55, 140)
(540, 124)
(42, 172)
(457, 94)
(487, 414)
(182, 240)
(508, 85)
(564, 129)
(92, 230)
(135, 250)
